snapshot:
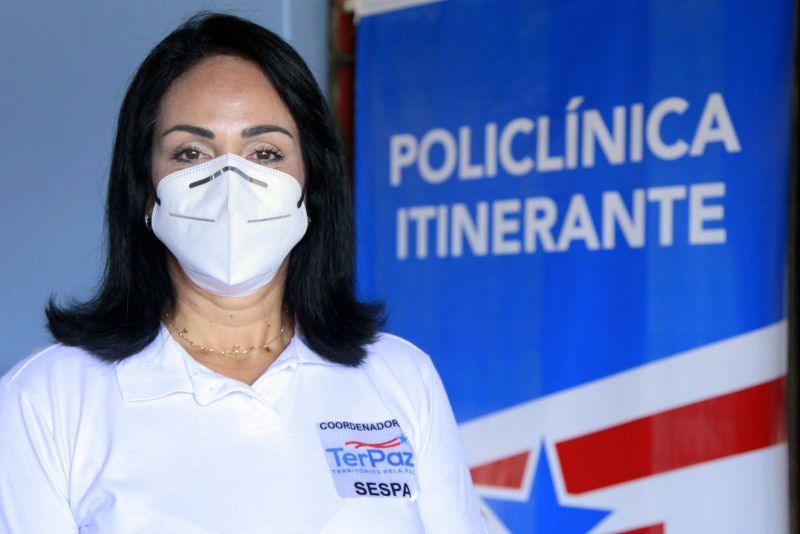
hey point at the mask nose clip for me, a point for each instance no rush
(230, 168)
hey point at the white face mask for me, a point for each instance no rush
(229, 222)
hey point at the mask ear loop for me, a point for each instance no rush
(300, 203)
(148, 221)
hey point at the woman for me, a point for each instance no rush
(225, 379)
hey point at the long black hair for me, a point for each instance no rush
(135, 290)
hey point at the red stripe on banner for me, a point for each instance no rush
(652, 529)
(504, 473)
(714, 428)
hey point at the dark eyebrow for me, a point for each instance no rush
(191, 129)
(264, 128)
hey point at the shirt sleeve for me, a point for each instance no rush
(447, 500)
(33, 481)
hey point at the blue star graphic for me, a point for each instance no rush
(403, 438)
(542, 513)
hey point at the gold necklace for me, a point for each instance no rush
(236, 350)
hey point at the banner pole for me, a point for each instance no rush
(793, 312)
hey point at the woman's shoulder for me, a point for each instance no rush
(399, 359)
(396, 349)
(54, 371)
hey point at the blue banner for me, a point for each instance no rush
(560, 197)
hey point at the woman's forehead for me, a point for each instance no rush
(226, 91)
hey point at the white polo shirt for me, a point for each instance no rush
(158, 443)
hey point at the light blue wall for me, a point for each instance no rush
(64, 67)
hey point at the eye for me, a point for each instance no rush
(267, 154)
(187, 154)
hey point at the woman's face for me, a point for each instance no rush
(224, 104)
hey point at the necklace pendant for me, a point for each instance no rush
(236, 350)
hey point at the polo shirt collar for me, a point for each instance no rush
(304, 353)
(155, 372)
(164, 368)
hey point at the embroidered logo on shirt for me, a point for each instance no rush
(369, 459)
